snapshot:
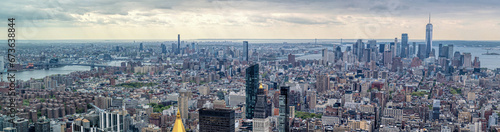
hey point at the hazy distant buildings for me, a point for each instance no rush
(252, 83)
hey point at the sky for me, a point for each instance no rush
(251, 19)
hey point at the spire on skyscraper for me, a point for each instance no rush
(429, 17)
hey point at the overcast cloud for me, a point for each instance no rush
(329, 19)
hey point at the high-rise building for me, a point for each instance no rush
(404, 45)
(42, 125)
(21, 125)
(450, 51)
(182, 100)
(291, 58)
(283, 109)
(322, 83)
(245, 51)
(387, 58)
(467, 63)
(163, 48)
(381, 48)
(358, 49)
(141, 47)
(428, 37)
(213, 120)
(260, 120)
(436, 106)
(422, 51)
(252, 83)
(396, 49)
(174, 48)
(476, 63)
(178, 44)
(414, 49)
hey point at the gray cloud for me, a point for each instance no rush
(66, 10)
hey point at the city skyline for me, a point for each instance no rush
(261, 19)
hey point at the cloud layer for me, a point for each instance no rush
(161, 19)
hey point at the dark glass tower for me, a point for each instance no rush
(284, 109)
(252, 82)
(213, 120)
(245, 50)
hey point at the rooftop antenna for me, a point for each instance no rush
(429, 17)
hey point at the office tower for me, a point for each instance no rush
(381, 48)
(178, 44)
(396, 51)
(42, 125)
(422, 51)
(450, 51)
(311, 99)
(428, 37)
(252, 83)
(21, 125)
(163, 48)
(358, 49)
(476, 63)
(291, 58)
(174, 48)
(338, 53)
(260, 120)
(371, 44)
(141, 47)
(193, 46)
(366, 55)
(387, 58)
(245, 50)
(324, 56)
(436, 106)
(2, 67)
(182, 101)
(404, 46)
(414, 49)
(283, 109)
(213, 120)
(112, 121)
(467, 60)
(322, 83)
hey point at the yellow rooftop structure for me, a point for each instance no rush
(178, 125)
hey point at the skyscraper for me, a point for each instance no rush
(404, 45)
(163, 49)
(284, 109)
(428, 37)
(178, 43)
(252, 83)
(260, 120)
(467, 60)
(212, 120)
(141, 47)
(183, 99)
(422, 51)
(245, 50)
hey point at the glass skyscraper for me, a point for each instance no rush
(252, 83)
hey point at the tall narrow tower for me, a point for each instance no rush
(178, 43)
(428, 37)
